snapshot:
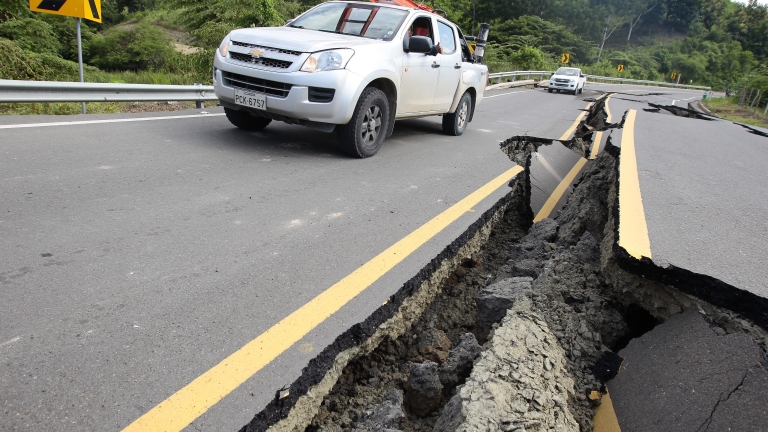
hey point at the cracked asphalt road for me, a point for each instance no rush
(138, 255)
(687, 376)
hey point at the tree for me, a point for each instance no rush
(209, 21)
(613, 16)
(637, 10)
(10, 9)
(682, 13)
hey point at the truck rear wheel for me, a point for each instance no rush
(363, 135)
(456, 122)
(245, 121)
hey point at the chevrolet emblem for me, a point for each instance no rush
(256, 53)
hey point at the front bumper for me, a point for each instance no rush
(296, 104)
(557, 85)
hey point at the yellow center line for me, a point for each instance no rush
(605, 417)
(599, 135)
(551, 202)
(187, 404)
(553, 199)
(633, 229)
(575, 124)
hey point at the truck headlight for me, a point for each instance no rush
(224, 47)
(327, 60)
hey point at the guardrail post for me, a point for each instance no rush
(198, 103)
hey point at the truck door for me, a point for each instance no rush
(449, 66)
(419, 75)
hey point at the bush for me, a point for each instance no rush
(17, 65)
(65, 30)
(133, 47)
(31, 35)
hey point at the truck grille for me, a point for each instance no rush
(272, 88)
(267, 49)
(260, 61)
(561, 80)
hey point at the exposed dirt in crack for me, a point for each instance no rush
(558, 260)
(682, 112)
(753, 130)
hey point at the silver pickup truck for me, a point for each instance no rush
(355, 67)
(567, 79)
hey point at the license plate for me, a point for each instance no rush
(251, 99)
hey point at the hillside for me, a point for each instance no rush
(709, 42)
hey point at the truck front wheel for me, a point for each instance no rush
(245, 121)
(456, 122)
(363, 135)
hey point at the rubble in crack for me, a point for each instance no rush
(681, 112)
(520, 382)
(550, 276)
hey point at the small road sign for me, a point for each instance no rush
(620, 68)
(88, 9)
(674, 75)
(565, 58)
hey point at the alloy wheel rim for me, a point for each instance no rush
(462, 115)
(371, 125)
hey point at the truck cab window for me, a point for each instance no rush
(447, 38)
(422, 26)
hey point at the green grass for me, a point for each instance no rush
(70, 108)
(729, 109)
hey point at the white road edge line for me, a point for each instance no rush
(123, 120)
(504, 94)
(16, 339)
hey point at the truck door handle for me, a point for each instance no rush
(457, 66)
(435, 65)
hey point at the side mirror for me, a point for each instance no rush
(581, 75)
(418, 44)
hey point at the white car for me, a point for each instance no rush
(567, 79)
(354, 67)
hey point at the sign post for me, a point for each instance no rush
(88, 9)
(80, 55)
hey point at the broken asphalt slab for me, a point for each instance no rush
(702, 188)
(688, 375)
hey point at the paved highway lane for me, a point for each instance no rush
(135, 256)
(703, 195)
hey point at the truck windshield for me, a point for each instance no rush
(567, 71)
(373, 22)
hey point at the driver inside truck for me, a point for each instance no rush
(420, 27)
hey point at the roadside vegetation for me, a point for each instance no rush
(718, 43)
(729, 109)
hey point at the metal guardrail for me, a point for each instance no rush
(594, 78)
(499, 75)
(13, 91)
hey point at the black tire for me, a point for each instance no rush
(245, 121)
(558, 90)
(366, 130)
(549, 90)
(581, 90)
(456, 122)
